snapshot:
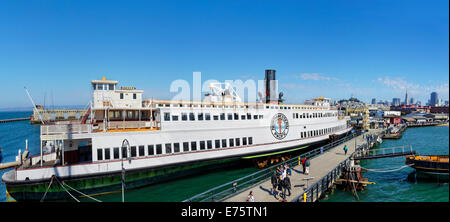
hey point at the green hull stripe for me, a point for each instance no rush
(270, 154)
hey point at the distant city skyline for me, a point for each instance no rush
(371, 49)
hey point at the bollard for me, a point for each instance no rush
(299, 161)
(304, 197)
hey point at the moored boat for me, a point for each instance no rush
(430, 165)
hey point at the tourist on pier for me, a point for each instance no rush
(250, 197)
(286, 186)
(307, 164)
(303, 164)
(274, 181)
(345, 149)
(288, 170)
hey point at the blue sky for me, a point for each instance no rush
(373, 49)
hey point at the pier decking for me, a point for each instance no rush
(322, 166)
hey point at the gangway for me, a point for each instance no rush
(384, 152)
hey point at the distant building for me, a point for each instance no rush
(374, 101)
(410, 108)
(439, 109)
(406, 98)
(434, 100)
(412, 101)
(396, 102)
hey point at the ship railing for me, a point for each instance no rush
(117, 125)
(70, 128)
(227, 190)
(65, 129)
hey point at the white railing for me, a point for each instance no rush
(65, 129)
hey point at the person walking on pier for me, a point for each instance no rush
(345, 149)
(274, 181)
(303, 164)
(286, 186)
(250, 197)
(307, 164)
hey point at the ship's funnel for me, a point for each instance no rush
(271, 86)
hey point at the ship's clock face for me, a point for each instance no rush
(279, 126)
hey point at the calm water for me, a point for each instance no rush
(395, 186)
(389, 187)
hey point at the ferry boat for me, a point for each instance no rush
(124, 138)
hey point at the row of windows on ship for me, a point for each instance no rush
(151, 150)
(240, 106)
(140, 151)
(236, 116)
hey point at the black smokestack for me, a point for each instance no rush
(270, 83)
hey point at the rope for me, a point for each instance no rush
(387, 169)
(81, 192)
(43, 197)
(66, 189)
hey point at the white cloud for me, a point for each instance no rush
(314, 76)
(399, 85)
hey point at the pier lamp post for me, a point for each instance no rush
(125, 144)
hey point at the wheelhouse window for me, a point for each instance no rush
(134, 95)
(244, 141)
(224, 143)
(207, 116)
(250, 140)
(121, 95)
(230, 116)
(191, 116)
(184, 116)
(217, 143)
(200, 116)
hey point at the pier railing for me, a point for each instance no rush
(235, 187)
(316, 190)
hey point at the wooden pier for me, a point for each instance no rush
(14, 120)
(397, 134)
(327, 164)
